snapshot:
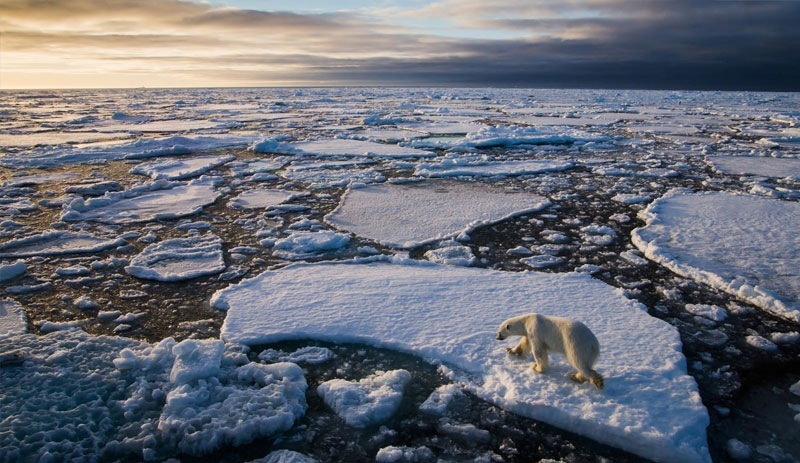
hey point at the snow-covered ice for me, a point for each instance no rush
(761, 166)
(343, 147)
(746, 245)
(109, 398)
(368, 401)
(262, 198)
(449, 315)
(450, 168)
(160, 199)
(409, 214)
(305, 244)
(179, 259)
(180, 168)
(57, 242)
(13, 319)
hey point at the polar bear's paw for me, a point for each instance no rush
(598, 381)
(538, 368)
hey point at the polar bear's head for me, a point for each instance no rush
(510, 327)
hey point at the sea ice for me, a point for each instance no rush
(306, 244)
(510, 135)
(180, 168)
(454, 168)
(745, 245)
(760, 166)
(263, 198)
(141, 148)
(179, 259)
(157, 200)
(410, 214)
(107, 398)
(13, 319)
(9, 271)
(343, 147)
(57, 242)
(448, 315)
(367, 402)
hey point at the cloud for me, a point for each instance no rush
(584, 43)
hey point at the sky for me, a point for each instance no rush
(662, 44)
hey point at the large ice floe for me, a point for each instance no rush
(107, 398)
(405, 215)
(746, 245)
(160, 199)
(761, 166)
(448, 316)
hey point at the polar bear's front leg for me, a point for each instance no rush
(521, 348)
(542, 363)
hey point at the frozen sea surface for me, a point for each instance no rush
(122, 212)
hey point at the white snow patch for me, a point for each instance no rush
(179, 259)
(410, 214)
(449, 315)
(367, 402)
(745, 245)
(310, 354)
(437, 403)
(451, 253)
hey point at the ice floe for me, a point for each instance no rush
(157, 200)
(57, 242)
(181, 168)
(456, 168)
(306, 244)
(367, 402)
(13, 319)
(343, 147)
(263, 198)
(108, 398)
(179, 259)
(449, 315)
(409, 214)
(761, 166)
(742, 244)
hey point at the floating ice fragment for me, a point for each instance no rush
(263, 198)
(180, 168)
(450, 315)
(367, 402)
(303, 245)
(745, 245)
(13, 319)
(54, 243)
(152, 201)
(411, 214)
(10, 271)
(179, 259)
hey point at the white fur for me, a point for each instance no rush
(542, 333)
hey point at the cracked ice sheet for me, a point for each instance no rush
(151, 201)
(179, 259)
(410, 214)
(745, 245)
(650, 405)
(57, 242)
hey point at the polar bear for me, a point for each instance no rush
(542, 333)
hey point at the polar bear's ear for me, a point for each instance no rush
(508, 327)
